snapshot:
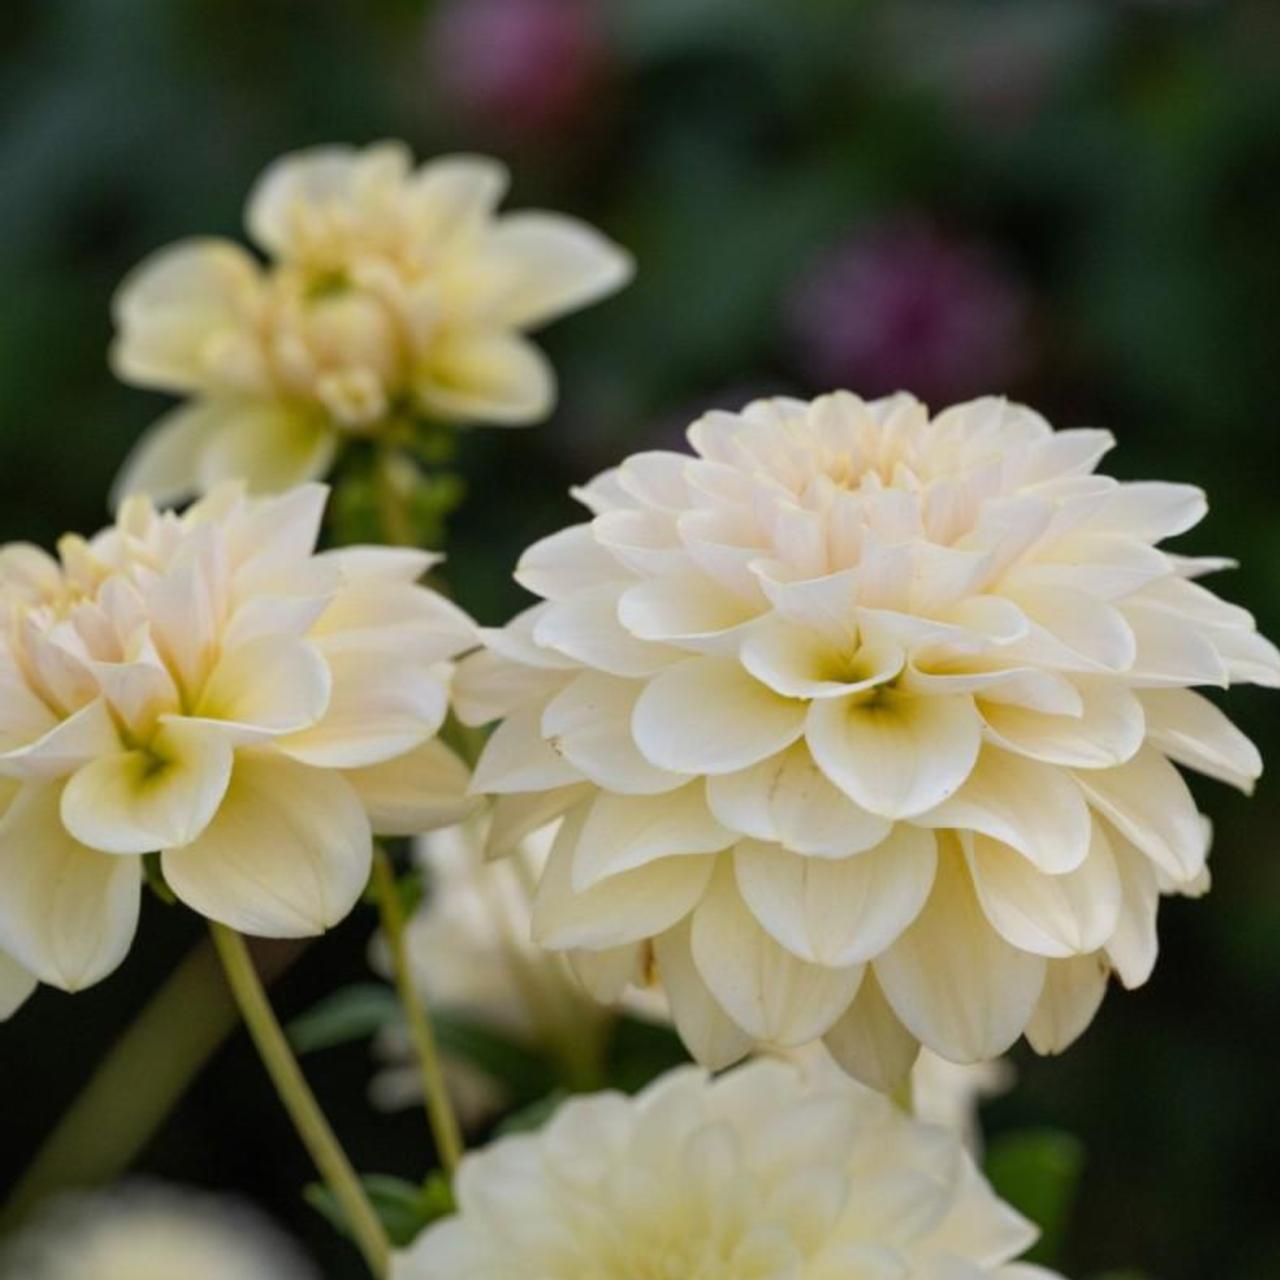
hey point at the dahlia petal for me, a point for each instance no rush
(1073, 990)
(16, 986)
(979, 1225)
(454, 196)
(141, 801)
(1147, 800)
(788, 799)
(488, 686)
(422, 790)
(623, 832)
(552, 265)
(625, 908)
(1189, 729)
(1034, 807)
(287, 855)
(955, 983)
(710, 1035)
(838, 913)
(67, 913)
(589, 723)
(270, 446)
(267, 687)
(567, 562)
(798, 663)
(516, 816)
(379, 708)
(488, 376)
(763, 987)
(70, 743)
(1151, 510)
(1074, 631)
(1171, 650)
(605, 975)
(1108, 731)
(518, 758)
(587, 629)
(166, 462)
(1048, 915)
(687, 609)
(894, 754)
(1132, 947)
(707, 715)
(869, 1041)
(643, 542)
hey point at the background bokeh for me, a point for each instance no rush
(1073, 202)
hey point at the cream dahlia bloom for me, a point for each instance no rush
(864, 726)
(152, 1232)
(206, 687)
(763, 1174)
(389, 295)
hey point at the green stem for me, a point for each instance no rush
(299, 1102)
(112, 1119)
(435, 1092)
(397, 523)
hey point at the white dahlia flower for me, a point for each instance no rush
(390, 295)
(152, 1232)
(762, 1174)
(864, 725)
(206, 687)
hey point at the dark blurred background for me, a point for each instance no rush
(1073, 202)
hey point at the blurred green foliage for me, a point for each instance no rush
(1123, 160)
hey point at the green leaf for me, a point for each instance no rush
(526, 1074)
(403, 1207)
(350, 1013)
(1038, 1172)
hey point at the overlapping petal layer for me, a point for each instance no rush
(208, 688)
(389, 293)
(865, 725)
(768, 1173)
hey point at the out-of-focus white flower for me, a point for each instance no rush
(391, 295)
(762, 1174)
(152, 1232)
(864, 724)
(949, 1093)
(473, 955)
(206, 687)
(16, 985)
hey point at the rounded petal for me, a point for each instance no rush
(894, 754)
(870, 1042)
(957, 985)
(707, 715)
(622, 832)
(67, 912)
(710, 1035)
(1108, 731)
(1189, 729)
(1073, 990)
(267, 687)
(486, 376)
(166, 463)
(788, 799)
(422, 790)
(763, 987)
(843, 912)
(145, 800)
(802, 663)
(518, 758)
(1050, 915)
(1133, 946)
(551, 265)
(627, 907)
(1035, 808)
(287, 855)
(268, 445)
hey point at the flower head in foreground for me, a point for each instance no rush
(207, 687)
(391, 296)
(149, 1232)
(863, 725)
(763, 1174)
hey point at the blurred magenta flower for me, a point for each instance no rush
(523, 67)
(904, 306)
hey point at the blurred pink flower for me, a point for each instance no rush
(523, 67)
(904, 308)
